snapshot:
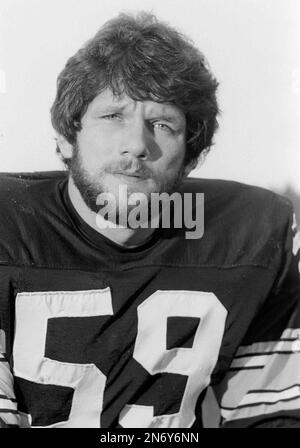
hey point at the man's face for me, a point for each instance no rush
(140, 144)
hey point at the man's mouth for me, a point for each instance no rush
(132, 174)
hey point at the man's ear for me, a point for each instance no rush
(65, 147)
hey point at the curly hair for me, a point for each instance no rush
(147, 60)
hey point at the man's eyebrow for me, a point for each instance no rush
(167, 117)
(109, 108)
(166, 112)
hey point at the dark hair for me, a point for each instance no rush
(148, 60)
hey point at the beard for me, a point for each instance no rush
(91, 186)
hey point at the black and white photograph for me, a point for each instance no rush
(149, 197)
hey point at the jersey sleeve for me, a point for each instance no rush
(262, 386)
(9, 416)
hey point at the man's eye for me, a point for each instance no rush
(162, 126)
(111, 116)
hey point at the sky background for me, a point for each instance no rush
(253, 47)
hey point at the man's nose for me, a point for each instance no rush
(137, 141)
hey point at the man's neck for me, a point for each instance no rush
(123, 236)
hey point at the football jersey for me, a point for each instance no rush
(98, 335)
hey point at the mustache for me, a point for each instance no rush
(131, 168)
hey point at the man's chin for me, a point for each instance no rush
(131, 185)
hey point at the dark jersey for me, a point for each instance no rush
(97, 335)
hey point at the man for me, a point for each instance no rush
(108, 324)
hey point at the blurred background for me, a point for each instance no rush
(253, 47)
